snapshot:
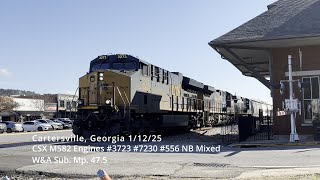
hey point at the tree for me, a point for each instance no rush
(43, 102)
(7, 103)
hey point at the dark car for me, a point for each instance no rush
(65, 125)
(13, 126)
(66, 120)
(3, 127)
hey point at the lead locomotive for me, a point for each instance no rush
(123, 94)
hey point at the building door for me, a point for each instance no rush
(310, 98)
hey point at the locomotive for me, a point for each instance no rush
(122, 94)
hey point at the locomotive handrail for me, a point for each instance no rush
(124, 104)
(126, 97)
(119, 94)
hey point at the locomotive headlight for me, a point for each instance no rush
(108, 101)
(101, 76)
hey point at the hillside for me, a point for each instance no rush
(10, 92)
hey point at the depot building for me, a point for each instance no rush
(260, 47)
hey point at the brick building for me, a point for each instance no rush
(260, 48)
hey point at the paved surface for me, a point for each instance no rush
(240, 163)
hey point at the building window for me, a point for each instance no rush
(68, 105)
(61, 103)
(74, 104)
(310, 98)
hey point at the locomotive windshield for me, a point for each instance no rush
(100, 66)
(116, 62)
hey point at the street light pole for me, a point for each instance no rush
(293, 135)
(292, 105)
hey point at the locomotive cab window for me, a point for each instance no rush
(101, 66)
(120, 62)
(124, 66)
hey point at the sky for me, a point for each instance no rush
(45, 46)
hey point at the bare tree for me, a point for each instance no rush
(42, 102)
(7, 103)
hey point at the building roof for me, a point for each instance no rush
(286, 23)
(29, 105)
(283, 19)
(6, 113)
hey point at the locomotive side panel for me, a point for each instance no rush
(152, 94)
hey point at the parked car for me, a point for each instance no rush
(66, 120)
(54, 125)
(65, 125)
(13, 126)
(36, 126)
(3, 127)
(60, 126)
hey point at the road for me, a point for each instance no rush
(18, 152)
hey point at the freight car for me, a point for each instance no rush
(123, 94)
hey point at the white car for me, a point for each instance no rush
(54, 125)
(36, 126)
(13, 126)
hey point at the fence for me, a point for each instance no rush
(248, 128)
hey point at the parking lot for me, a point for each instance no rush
(35, 125)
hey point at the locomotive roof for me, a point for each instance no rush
(208, 89)
(100, 58)
(97, 59)
(188, 82)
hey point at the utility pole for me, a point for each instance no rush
(293, 135)
(291, 106)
